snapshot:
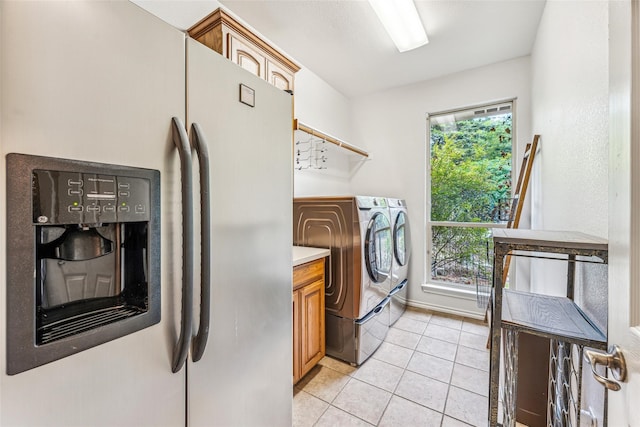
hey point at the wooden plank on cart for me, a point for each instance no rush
(520, 192)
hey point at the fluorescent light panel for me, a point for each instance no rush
(401, 20)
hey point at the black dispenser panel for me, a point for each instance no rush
(81, 198)
(83, 256)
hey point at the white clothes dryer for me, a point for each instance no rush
(401, 255)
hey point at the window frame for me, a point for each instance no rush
(459, 290)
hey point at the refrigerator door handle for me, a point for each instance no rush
(200, 145)
(181, 140)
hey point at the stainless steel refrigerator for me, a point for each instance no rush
(104, 81)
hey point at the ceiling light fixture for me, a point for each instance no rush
(401, 20)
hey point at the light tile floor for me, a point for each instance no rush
(432, 371)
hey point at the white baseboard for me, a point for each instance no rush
(444, 309)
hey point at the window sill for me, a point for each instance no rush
(450, 291)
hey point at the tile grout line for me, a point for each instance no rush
(449, 383)
(321, 415)
(406, 369)
(446, 399)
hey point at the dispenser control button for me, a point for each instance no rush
(76, 208)
(124, 194)
(123, 208)
(77, 182)
(109, 208)
(93, 208)
(140, 209)
(124, 185)
(104, 196)
(73, 192)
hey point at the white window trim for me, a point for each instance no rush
(450, 290)
(459, 290)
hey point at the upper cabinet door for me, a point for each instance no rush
(224, 34)
(279, 76)
(245, 55)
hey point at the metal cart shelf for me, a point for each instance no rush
(556, 318)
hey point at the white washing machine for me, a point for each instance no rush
(377, 251)
(401, 255)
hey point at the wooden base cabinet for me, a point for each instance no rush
(308, 317)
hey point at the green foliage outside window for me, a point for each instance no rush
(470, 182)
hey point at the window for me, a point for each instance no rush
(469, 177)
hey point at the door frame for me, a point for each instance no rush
(624, 203)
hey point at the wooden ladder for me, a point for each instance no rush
(519, 195)
(515, 211)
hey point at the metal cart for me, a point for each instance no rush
(559, 319)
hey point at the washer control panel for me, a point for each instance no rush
(62, 197)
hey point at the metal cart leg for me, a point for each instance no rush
(510, 386)
(496, 319)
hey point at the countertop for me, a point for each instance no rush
(303, 254)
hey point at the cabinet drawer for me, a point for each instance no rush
(307, 273)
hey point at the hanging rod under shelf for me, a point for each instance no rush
(297, 125)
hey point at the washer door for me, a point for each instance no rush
(378, 248)
(400, 239)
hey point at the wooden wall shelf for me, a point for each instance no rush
(297, 125)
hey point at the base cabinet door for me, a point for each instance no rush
(296, 336)
(308, 317)
(312, 322)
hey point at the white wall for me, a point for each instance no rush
(569, 109)
(392, 125)
(570, 98)
(181, 14)
(323, 108)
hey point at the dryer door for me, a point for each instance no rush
(378, 248)
(400, 239)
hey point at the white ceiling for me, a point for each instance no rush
(344, 43)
